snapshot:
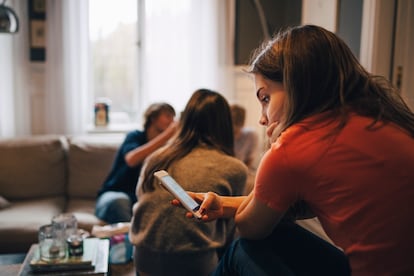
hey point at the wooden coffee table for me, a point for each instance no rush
(13, 264)
(127, 269)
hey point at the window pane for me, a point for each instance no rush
(113, 46)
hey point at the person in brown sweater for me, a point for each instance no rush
(200, 158)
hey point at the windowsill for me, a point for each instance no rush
(112, 128)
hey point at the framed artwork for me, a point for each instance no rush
(37, 30)
(39, 6)
(38, 35)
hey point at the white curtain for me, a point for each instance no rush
(186, 45)
(14, 83)
(66, 74)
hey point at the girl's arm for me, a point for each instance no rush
(255, 220)
(136, 156)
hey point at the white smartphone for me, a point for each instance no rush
(175, 189)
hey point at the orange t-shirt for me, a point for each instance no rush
(359, 183)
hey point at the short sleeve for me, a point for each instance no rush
(132, 141)
(275, 184)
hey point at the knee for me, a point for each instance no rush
(122, 201)
(118, 204)
(112, 204)
(112, 198)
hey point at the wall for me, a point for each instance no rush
(244, 88)
(349, 24)
(258, 20)
(37, 102)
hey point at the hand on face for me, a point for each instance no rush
(270, 129)
(164, 121)
(166, 126)
(271, 96)
(172, 127)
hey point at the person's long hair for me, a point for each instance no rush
(206, 120)
(322, 76)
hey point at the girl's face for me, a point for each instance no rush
(271, 96)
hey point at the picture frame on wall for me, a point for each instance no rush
(37, 30)
(38, 34)
(39, 6)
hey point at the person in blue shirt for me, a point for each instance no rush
(117, 194)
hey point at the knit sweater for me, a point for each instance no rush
(161, 227)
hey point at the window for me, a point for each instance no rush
(113, 57)
(143, 52)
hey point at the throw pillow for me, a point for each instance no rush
(4, 203)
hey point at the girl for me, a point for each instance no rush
(342, 144)
(201, 158)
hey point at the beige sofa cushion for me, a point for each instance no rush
(87, 171)
(32, 167)
(20, 222)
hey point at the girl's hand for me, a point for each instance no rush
(211, 207)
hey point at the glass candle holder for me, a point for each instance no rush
(51, 246)
(66, 222)
(75, 245)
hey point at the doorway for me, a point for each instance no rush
(402, 67)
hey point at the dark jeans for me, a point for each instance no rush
(113, 207)
(289, 250)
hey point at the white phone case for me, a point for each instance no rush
(175, 189)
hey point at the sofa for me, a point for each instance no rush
(46, 175)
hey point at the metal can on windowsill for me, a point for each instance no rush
(102, 112)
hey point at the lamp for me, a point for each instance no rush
(9, 23)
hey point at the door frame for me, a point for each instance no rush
(377, 36)
(403, 58)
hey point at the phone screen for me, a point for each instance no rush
(174, 188)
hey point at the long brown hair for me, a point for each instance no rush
(322, 76)
(205, 120)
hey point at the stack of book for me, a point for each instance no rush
(93, 262)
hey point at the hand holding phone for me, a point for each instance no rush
(175, 189)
